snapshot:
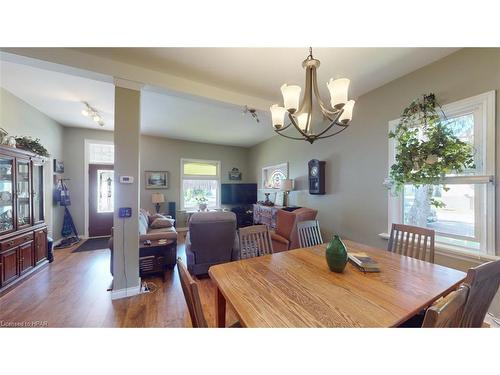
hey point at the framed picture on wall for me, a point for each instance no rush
(156, 179)
(273, 175)
(58, 166)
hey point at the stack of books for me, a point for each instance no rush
(364, 262)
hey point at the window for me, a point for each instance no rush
(200, 182)
(101, 153)
(105, 188)
(467, 222)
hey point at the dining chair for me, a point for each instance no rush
(192, 296)
(483, 282)
(415, 242)
(190, 290)
(255, 241)
(448, 311)
(309, 233)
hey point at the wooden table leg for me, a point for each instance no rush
(220, 312)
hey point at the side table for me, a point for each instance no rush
(157, 257)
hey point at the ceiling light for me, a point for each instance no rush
(88, 111)
(300, 113)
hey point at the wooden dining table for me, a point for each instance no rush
(295, 288)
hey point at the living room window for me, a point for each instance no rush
(200, 182)
(467, 222)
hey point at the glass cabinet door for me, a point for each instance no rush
(38, 214)
(23, 193)
(6, 194)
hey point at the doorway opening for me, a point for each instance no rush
(99, 189)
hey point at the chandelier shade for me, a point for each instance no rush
(300, 114)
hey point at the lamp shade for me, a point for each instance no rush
(278, 116)
(287, 185)
(291, 96)
(302, 121)
(346, 116)
(339, 89)
(157, 198)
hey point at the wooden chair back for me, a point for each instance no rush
(448, 311)
(190, 290)
(483, 282)
(412, 241)
(255, 241)
(309, 233)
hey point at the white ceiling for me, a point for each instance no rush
(60, 97)
(261, 71)
(257, 72)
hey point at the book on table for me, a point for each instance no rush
(364, 262)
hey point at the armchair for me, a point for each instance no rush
(286, 236)
(211, 240)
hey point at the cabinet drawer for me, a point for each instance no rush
(15, 241)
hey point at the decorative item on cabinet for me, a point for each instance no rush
(23, 233)
(316, 177)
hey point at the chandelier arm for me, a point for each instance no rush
(283, 128)
(335, 133)
(333, 122)
(289, 137)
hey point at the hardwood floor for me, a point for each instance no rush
(72, 292)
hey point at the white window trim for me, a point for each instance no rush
(200, 177)
(484, 106)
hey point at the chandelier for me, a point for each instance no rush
(301, 116)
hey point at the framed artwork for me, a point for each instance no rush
(273, 175)
(156, 179)
(58, 166)
(235, 174)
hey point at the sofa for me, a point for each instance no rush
(147, 232)
(211, 240)
(285, 236)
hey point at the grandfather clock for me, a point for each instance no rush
(316, 177)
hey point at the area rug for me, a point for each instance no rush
(93, 244)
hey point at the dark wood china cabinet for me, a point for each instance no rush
(23, 232)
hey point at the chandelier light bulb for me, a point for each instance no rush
(302, 121)
(291, 97)
(346, 116)
(278, 116)
(339, 89)
(85, 112)
(96, 118)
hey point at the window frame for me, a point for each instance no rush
(200, 177)
(483, 108)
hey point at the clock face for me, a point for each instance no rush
(314, 171)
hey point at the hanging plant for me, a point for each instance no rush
(426, 148)
(32, 144)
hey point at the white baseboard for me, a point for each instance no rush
(127, 292)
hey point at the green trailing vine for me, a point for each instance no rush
(31, 144)
(426, 147)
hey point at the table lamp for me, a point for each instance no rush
(286, 186)
(157, 199)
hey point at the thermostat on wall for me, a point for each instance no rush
(126, 180)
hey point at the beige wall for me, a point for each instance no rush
(165, 154)
(355, 205)
(19, 118)
(156, 154)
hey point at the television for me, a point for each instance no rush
(238, 193)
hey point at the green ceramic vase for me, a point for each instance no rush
(336, 255)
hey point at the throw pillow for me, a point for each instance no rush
(162, 222)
